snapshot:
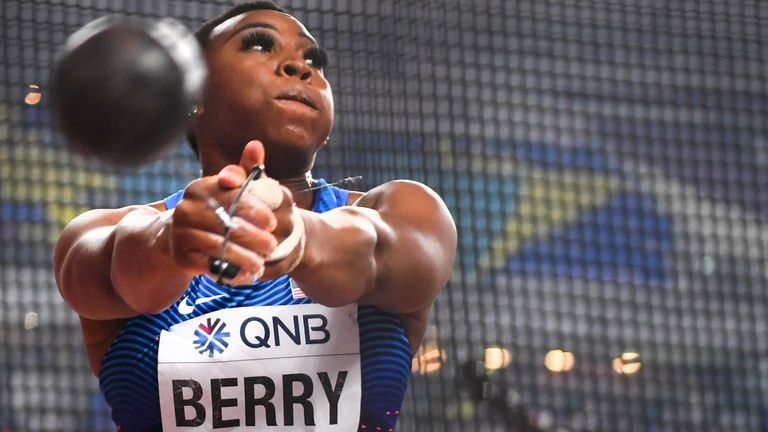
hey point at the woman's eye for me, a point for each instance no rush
(316, 58)
(257, 41)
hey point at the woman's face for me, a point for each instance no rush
(266, 82)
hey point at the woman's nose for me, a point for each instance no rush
(296, 68)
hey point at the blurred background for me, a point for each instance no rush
(605, 162)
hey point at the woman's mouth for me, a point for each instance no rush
(299, 96)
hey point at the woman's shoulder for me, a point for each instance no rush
(399, 191)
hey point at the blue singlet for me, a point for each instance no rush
(129, 371)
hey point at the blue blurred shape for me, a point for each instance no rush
(549, 156)
(626, 240)
(22, 212)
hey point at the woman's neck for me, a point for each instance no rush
(301, 188)
(298, 184)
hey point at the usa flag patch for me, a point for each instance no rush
(296, 291)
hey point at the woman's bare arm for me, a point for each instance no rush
(394, 249)
(90, 259)
(112, 264)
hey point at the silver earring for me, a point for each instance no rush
(193, 111)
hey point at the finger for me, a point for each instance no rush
(268, 190)
(192, 250)
(248, 236)
(199, 210)
(250, 227)
(287, 198)
(198, 189)
(231, 177)
(253, 155)
(253, 211)
(246, 278)
(283, 215)
(196, 214)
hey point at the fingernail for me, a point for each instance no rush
(272, 224)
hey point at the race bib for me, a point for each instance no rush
(275, 368)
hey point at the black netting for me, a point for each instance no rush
(605, 162)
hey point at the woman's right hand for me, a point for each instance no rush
(194, 234)
(117, 263)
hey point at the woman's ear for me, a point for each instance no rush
(192, 116)
(191, 133)
(195, 111)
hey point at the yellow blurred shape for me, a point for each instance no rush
(33, 96)
(627, 363)
(559, 361)
(430, 357)
(428, 362)
(496, 358)
(34, 173)
(549, 200)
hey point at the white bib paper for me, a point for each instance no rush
(275, 368)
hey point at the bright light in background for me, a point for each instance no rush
(427, 361)
(559, 361)
(496, 358)
(31, 320)
(627, 363)
(33, 96)
(429, 358)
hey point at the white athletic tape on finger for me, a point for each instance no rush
(289, 244)
(268, 190)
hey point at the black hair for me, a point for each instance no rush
(203, 36)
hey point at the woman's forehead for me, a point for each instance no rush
(276, 18)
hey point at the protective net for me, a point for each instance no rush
(605, 162)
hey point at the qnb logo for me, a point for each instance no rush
(211, 337)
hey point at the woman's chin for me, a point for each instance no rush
(296, 136)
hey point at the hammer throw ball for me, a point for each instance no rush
(122, 90)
